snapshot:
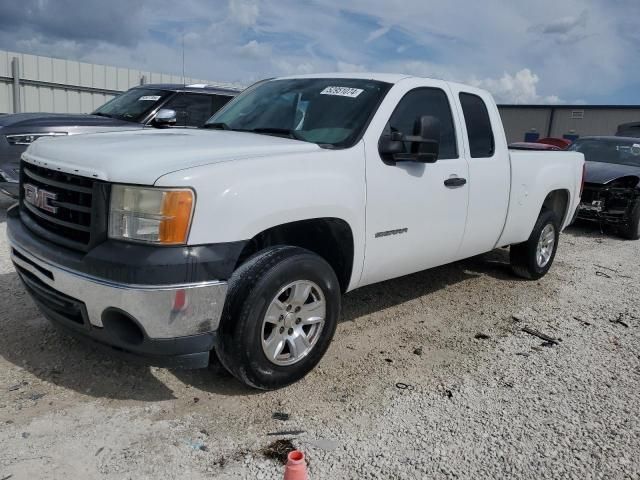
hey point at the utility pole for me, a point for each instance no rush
(184, 83)
(15, 72)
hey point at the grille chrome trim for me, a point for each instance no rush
(80, 203)
(55, 220)
(54, 183)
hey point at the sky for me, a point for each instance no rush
(523, 51)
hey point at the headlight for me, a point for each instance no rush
(624, 182)
(153, 215)
(9, 175)
(29, 138)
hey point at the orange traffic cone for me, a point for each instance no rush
(296, 467)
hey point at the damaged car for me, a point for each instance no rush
(611, 193)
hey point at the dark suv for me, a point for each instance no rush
(158, 105)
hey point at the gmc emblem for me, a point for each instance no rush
(39, 198)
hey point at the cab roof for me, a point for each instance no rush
(392, 78)
(195, 88)
(382, 77)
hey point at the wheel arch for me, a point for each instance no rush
(329, 237)
(558, 201)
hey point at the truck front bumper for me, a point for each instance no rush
(166, 325)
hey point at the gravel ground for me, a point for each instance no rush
(483, 399)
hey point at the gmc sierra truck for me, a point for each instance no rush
(239, 238)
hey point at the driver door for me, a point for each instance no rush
(415, 214)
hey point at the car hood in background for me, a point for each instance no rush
(143, 156)
(20, 122)
(601, 172)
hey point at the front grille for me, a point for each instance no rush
(79, 219)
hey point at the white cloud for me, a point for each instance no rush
(244, 12)
(350, 67)
(519, 88)
(377, 34)
(583, 51)
(564, 25)
(301, 67)
(254, 49)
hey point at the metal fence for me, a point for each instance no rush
(31, 83)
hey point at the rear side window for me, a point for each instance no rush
(426, 101)
(194, 109)
(476, 117)
(219, 101)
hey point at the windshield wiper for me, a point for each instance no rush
(100, 114)
(260, 130)
(217, 125)
(276, 131)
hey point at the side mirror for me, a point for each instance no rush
(426, 145)
(391, 144)
(165, 117)
(423, 146)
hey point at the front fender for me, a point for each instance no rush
(238, 199)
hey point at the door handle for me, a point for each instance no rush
(455, 182)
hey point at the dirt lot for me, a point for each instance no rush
(483, 398)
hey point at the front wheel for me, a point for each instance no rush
(280, 315)
(533, 259)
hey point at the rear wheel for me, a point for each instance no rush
(533, 259)
(280, 316)
(631, 231)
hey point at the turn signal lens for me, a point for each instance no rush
(176, 213)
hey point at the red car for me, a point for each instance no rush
(561, 143)
(533, 146)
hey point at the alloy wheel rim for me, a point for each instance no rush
(546, 243)
(293, 322)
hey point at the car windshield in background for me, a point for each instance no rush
(622, 152)
(329, 112)
(132, 105)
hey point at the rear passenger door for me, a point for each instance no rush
(415, 217)
(489, 183)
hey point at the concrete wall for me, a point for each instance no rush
(65, 86)
(558, 121)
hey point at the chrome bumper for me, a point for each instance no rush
(163, 312)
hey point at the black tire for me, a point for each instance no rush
(523, 255)
(251, 289)
(631, 231)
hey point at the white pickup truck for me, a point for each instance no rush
(240, 238)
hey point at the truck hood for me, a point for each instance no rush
(601, 172)
(26, 121)
(142, 156)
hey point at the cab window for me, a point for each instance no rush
(479, 131)
(426, 101)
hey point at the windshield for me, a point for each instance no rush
(622, 152)
(329, 112)
(133, 105)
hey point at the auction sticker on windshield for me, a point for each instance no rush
(149, 98)
(342, 91)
